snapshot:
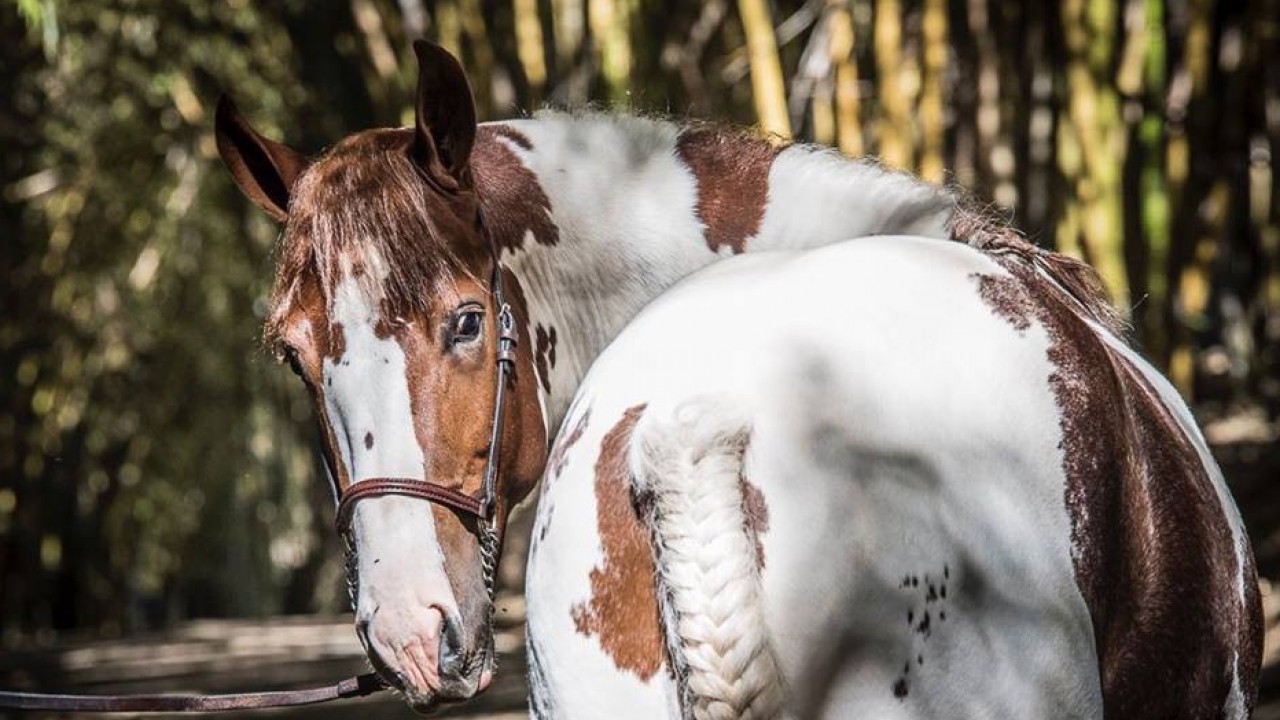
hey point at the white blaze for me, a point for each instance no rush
(367, 396)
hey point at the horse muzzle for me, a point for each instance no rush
(429, 659)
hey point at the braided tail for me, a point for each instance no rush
(688, 479)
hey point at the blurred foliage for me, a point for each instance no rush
(155, 464)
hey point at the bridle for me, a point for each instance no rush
(484, 509)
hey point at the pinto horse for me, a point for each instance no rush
(442, 290)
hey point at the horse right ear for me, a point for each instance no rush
(264, 170)
(444, 116)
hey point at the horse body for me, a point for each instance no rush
(911, 409)
(906, 479)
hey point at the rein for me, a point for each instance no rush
(353, 687)
(484, 509)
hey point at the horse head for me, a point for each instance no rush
(387, 305)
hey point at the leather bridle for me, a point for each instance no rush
(484, 508)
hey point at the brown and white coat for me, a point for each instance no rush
(900, 476)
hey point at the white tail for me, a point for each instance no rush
(687, 474)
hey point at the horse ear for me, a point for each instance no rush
(264, 170)
(445, 116)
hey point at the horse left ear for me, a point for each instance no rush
(264, 170)
(445, 122)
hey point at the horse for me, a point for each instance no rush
(442, 290)
(895, 477)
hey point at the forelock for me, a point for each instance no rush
(364, 211)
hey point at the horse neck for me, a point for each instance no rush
(599, 214)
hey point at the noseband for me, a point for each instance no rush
(484, 508)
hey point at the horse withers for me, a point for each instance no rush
(386, 304)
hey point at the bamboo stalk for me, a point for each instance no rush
(529, 43)
(569, 16)
(609, 21)
(1095, 114)
(480, 70)
(767, 88)
(848, 129)
(449, 27)
(1154, 184)
(986, 77)
(934, 48)
(895, 121)
(1187, 194)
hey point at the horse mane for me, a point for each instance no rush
(980, 228)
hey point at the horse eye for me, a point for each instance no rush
(467, 325)
(291, 357)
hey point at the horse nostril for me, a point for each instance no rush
(451, 655)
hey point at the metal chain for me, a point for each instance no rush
(489, 567)
(349, 562)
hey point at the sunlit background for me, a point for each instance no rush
(157, 466)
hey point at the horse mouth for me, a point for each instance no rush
(474, 679)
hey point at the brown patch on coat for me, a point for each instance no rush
(337, 341)
(306, 330)
(1153, 553)
(623, 609)
(513, 201)
(756, 512)
(560, 453)
(545, 353)
(732, 172)
(1079, 280)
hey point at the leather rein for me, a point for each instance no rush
(484, 509)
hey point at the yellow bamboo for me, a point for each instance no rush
(568, 29)
(1154, 185)
(824, 118)
(369, 21)
(1069, 162)
(895, 121)
(1190, 282)
(1195, 285)
(480, 69)
(767, 86)
(610, 21)
(931, 100)
(845, 62)
(449, 27)
(1094, 107)
(529, 42)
